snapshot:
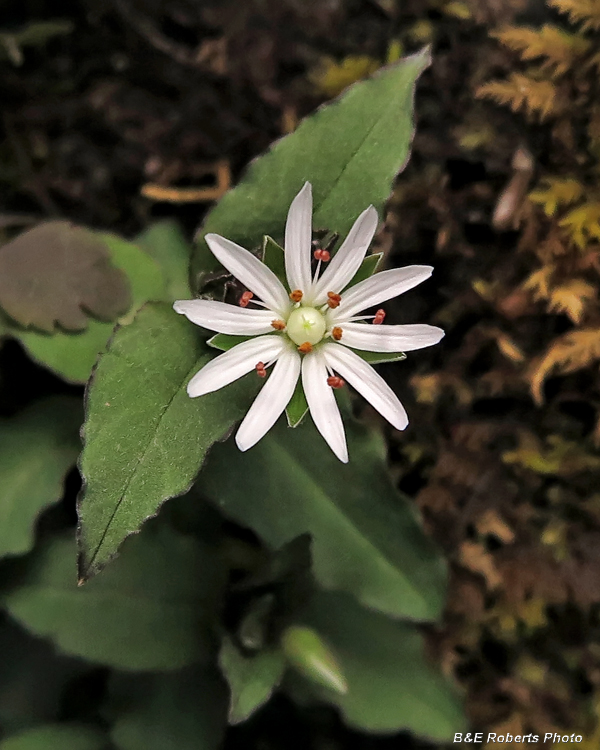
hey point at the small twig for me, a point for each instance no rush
(508, 210)
(289, 119)
(222, 173)
(7, 221)
(32, 183)
(197, 58)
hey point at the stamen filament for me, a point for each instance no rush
(316, 276)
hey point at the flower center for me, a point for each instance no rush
(305, 324)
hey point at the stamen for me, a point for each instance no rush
(334, 300)
(296, 295)
(245, 298)
(379, 317)
(278, 325)
(336, 333)
(323, 255)
(336, 382)
(261, 370)
(305, 348)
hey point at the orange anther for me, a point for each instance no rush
(305, 348)
(334, 300)
(337, 333)
(296, 295)
(336, 382)
(261, 370)
(379, 317)
(245, 298)
(278, 325)
(323, 255)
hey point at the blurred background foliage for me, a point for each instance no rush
(118, 113)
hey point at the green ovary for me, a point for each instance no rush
(306, 324)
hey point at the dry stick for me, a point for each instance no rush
(144, 26)
(192, 195)
(33, 185)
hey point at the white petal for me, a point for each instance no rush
(346, 262)
(274, 396)
(231, 365)
(298, 236)
(321, 401)
(382, 338)
(224, 318)
(367, 382)
(250, 271)
(378, 288)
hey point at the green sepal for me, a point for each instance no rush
(225, 341)
(378, 358)
(297, 409)
(306, 651)
(367, 268)
(252, 678)
(273, 256)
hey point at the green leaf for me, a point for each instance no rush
(307, 652)
(297, 409)
(144, 438)
(273, 256)
(33, 679)
(149, 610)
(350, 150)
(378, 358)
(184, 710)
(226, 341)
(73, 355)
(32, 34)
(391, 685)
(366, 538)
(57, 737)
(367, 268)
(37, 449)
(252, 679)
(166, 243)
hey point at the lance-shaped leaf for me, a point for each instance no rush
(144, 438)
(391, 686)
(366, 538)
(37, 449)
(184, 710)
(150, 610)
(72, 355)
(252, 678)
(350, 150)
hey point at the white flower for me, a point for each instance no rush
(310, 331)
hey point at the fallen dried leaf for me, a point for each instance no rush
(60, 273)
